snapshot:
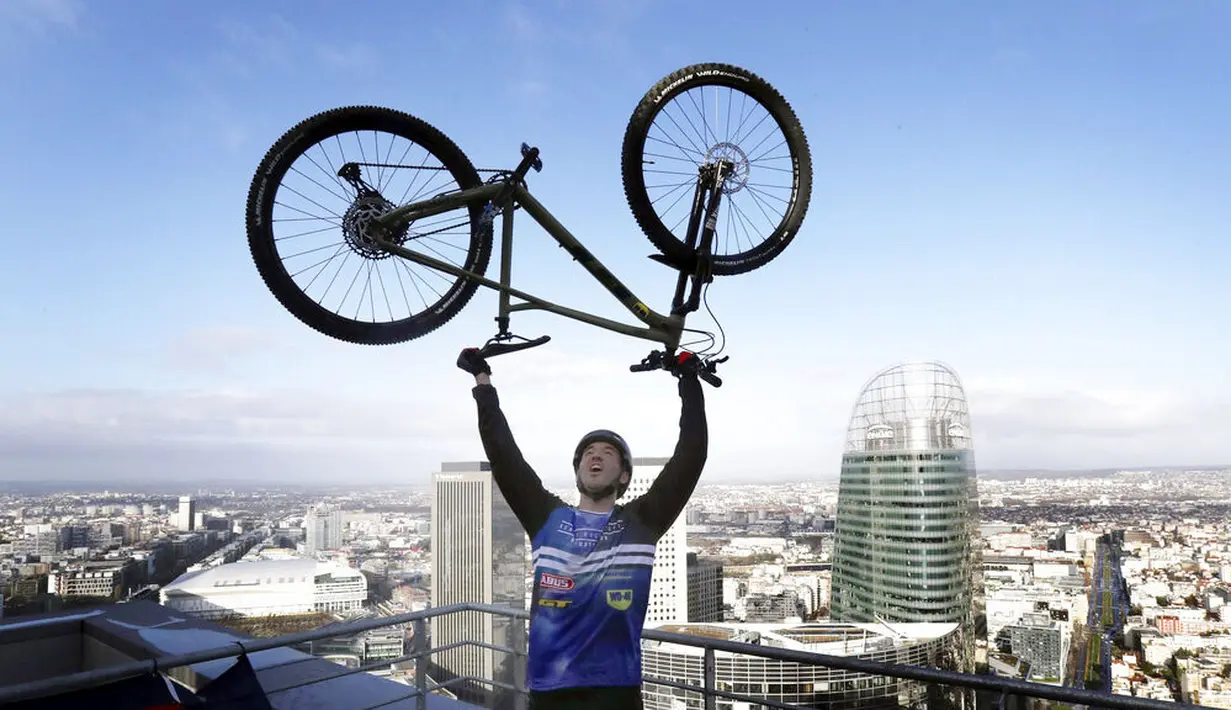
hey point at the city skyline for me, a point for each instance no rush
(1050, 550)
(561, 480)
(1040, 210)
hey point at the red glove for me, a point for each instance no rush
(686, 364)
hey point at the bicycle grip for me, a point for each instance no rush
(530, 159)
(643, 367)
(710, 377)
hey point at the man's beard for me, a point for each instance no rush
(598, 494)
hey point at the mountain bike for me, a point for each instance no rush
(376, 225)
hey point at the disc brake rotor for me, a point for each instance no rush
(738, 177)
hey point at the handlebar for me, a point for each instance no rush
(662, 360)
(643, 367)
(529, 159)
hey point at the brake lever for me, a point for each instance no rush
(706, 372)
(657, 360)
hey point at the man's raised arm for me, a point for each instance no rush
(662, 504)
(519, 484)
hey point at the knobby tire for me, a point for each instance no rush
(634, 150)
(259, 218)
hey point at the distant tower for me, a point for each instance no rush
(479, 554)
(186, 516)
(669, 582)
(322, 529)
(904, 548)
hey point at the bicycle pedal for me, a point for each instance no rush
(494, 348)
(673, 265)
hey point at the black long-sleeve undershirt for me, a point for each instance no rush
(532, 503)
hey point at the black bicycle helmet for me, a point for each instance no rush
(610, 437)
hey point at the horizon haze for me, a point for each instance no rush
(1035, 196)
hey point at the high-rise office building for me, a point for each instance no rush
(322, 529)
(704, 589)
(669, 584)
(74, 536)
(904, 548)
(1042, 643)
(478, 555)
(186, 517)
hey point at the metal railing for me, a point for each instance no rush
(1002, 686)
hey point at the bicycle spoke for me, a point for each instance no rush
(700, 127)
(309, 215)
(360, 274)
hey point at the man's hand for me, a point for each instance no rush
(686, 364)
(471, 361)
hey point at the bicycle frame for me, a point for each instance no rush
(664, 329)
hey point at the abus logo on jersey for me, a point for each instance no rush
(555, 581)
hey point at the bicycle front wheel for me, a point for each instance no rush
(327, 269)
(705, 113)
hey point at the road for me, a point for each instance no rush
(1106, 562)
(1119, 606)
(1078, 677)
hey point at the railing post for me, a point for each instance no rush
(711, 674)
(517, 641)
(419, 646)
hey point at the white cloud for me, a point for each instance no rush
(1075, 428)
(765, 422)
(275, 41)
(39, 16)
(522, 25)
(201, 99)
(218, 348)
(596, 27)
(24, 22)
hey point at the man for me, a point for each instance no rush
(592, 562)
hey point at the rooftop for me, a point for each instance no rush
(259, 572)
(836, 638)
(916, 406)
(81, 652)
(51, 646)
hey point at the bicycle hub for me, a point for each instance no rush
(360, 229)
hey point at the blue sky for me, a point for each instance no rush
(1033, 193)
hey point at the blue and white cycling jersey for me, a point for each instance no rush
(592, 571)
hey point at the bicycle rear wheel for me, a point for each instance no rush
(298, 183)
(682, 123)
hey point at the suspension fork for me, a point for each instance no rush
(709, 184)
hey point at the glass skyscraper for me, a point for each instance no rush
(904, 546)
